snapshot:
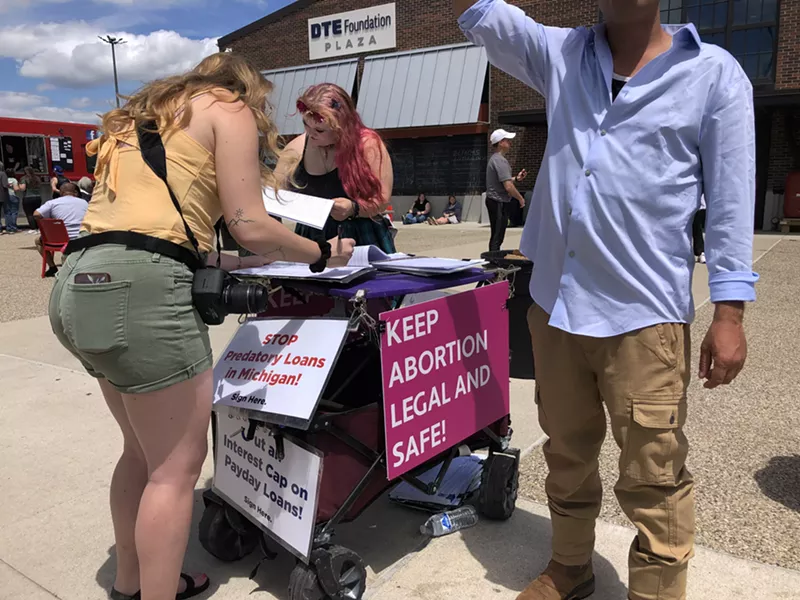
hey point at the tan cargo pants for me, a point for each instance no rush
(642, 378)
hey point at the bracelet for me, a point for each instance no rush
(356, 209)
(325, 254)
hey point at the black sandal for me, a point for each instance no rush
(191, 590)
(115, 595)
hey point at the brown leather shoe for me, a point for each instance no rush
(560, 582)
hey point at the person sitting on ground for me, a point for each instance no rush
(419, 211)
(70, 208)
(451, 214)
(86, 185)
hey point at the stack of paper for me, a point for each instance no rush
(365, 256)
(289, 270)
(429, 267)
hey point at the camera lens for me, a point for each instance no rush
(245, 298)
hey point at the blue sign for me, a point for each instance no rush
(92, 134)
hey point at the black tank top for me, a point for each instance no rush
(61, 181)
(322, 186)
(364, 231)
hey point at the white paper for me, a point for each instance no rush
(366, 256)
(289, 270)
(430, 266)
(280, 495)
(278, 366)
(307, 210)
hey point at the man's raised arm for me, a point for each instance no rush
(514, 42)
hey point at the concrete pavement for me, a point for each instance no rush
(59, 444)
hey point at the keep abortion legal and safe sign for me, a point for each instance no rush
(353, 32)
(279, 493)
(279, 367)
(445, 373)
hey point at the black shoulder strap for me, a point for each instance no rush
(154, 155)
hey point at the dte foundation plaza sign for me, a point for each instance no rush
(352, 32)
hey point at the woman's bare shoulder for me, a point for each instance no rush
(296, 145)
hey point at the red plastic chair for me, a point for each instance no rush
(54, 239)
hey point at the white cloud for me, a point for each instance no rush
(32, 106)
(80, 102)
(16, 5)
(7, 6)
(70, 55)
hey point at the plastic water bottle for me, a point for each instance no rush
(450, 521)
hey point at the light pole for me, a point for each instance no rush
(114, 42)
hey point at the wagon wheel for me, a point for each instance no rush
(304, 584)
(224, 533)
(497, 498)
(336, 573)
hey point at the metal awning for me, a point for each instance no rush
(290, 83)
(522, 118)
(423, 88)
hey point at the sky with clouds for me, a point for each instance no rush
(53, 66)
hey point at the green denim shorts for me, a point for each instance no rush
(140, 330)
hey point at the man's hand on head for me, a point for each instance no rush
(724, 349)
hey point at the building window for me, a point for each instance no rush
(746, 28)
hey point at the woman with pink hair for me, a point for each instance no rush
(340, 158)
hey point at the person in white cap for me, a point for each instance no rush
(500, 188)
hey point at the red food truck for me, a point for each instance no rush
(47, 144)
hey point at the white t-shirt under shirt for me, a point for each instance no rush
(69, 209)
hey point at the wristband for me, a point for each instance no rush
(325, 254)
(356, 209)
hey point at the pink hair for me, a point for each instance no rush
(332, 105)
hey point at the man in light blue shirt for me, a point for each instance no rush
(642, 119)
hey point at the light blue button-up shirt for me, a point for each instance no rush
(609, 226)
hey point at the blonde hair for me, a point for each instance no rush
(168, 102)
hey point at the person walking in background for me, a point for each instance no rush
(340, 158)
(500, 188)
(698, 232)
(57, 180)
(12, 204)
(70, 208)
(617, 190)
(28, 190)
(3, 198)
(451, 214)
(86, 185)
(419, 211)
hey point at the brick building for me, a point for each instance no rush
(430, 95)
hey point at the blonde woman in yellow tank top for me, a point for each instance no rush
(127, 314)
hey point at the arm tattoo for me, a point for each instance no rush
(239, 218)
(273, 254)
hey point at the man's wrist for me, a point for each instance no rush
(730, 312)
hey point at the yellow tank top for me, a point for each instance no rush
(128, 196)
